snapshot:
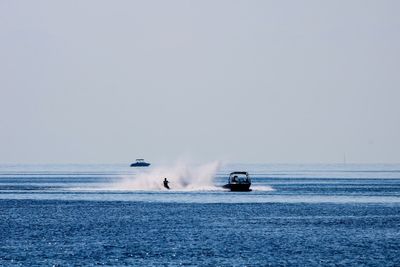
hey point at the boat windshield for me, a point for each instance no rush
(238, 178)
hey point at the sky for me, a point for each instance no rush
(237, 81)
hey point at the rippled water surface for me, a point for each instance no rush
(296, 215)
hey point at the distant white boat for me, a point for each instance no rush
(140, 163)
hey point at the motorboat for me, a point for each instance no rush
(140, 163)
(238, 181)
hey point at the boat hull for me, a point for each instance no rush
(238, 187)
(140, 164)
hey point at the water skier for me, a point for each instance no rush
(166, 183)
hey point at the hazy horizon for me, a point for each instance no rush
(235, 81)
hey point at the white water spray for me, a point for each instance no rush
(181, 177)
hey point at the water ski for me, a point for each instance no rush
(166, 183)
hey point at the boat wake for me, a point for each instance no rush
(262, 188)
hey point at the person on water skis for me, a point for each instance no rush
(166, 183)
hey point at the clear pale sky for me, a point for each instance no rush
(242, 81)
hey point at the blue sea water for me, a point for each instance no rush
(296, 215)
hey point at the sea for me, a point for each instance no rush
(114, 215)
